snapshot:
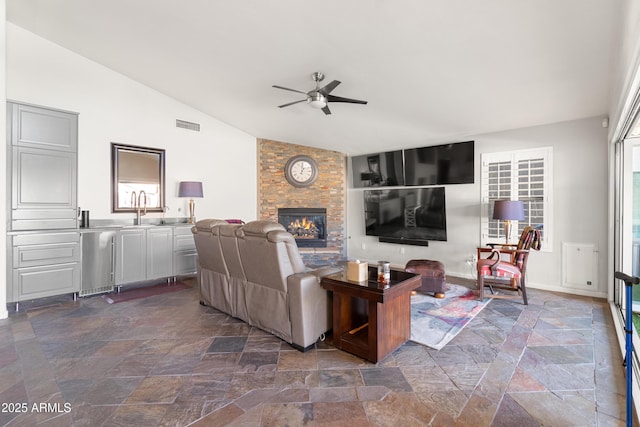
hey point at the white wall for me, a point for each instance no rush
(624, 78)
(114, 108)
(579, 206)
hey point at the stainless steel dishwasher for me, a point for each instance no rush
(98, 261)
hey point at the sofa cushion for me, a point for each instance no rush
(290, 245)
(261, 228)
(207, 224)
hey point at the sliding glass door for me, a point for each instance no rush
(627, 211)
(626, 192)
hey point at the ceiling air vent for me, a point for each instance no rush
(187, 125)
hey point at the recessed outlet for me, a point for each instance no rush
(401, 250)
(363, 246)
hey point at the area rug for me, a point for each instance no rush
(435, 322)
(144, 292)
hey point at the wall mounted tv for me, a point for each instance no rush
(410, 216)
(434, 165)
(378, 169)
(440, 164)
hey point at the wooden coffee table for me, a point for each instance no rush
(371, 319)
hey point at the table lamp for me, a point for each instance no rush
(190, 189)
(507, 211)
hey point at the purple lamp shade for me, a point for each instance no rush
(512, 210)
(190, 189)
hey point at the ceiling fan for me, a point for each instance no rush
(320, 97)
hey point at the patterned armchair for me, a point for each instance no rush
(506, 265)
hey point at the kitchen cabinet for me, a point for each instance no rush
(39, 127)
(43, 164)
(143, 254)
(131, 256)
(43, 244)
(159, 252)
(184, 251)
(43, 264)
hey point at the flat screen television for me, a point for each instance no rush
(378, 169)
(411, 216)
(440, 164)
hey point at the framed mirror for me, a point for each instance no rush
(136, 172)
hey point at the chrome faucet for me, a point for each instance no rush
(164, 211)
(138, 214)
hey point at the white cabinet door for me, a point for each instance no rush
(159, 252)
(131, 256)
(43, 189)
(31, 126)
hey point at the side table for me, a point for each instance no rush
(371, 319)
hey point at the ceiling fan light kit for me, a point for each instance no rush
(319, 97)
(317, 100)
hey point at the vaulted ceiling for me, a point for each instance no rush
(432, 71)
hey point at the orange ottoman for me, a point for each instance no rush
(432, 273)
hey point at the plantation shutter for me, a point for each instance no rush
(517, 175)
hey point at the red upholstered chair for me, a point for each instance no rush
(506, 265)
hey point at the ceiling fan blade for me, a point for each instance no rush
(326, 109)
(286, 88)
(333, 98)
(326, 89)
(291, 103)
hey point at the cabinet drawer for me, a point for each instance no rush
(34, 255)
(184, 263)
(184, 242)
(49, 224)
(45, 238)
(183, 230)
(39, 282)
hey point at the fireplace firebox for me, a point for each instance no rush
(306, 225)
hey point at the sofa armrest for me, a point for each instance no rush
(320, 272)
(310, 309)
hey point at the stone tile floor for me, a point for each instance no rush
(168, 361)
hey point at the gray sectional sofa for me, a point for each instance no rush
(254, 272)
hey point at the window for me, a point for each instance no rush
(523, 175)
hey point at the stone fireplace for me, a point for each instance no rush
(328, 191)
(306, 225)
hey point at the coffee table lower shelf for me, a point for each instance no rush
(355, 342)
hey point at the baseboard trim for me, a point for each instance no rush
(465, 281)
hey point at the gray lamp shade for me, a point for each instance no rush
(512, 210)
(190, 189)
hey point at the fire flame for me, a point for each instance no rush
(303, 228)
(307, 225)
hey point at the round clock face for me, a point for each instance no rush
(301, 171)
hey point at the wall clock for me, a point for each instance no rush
(301, 171)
